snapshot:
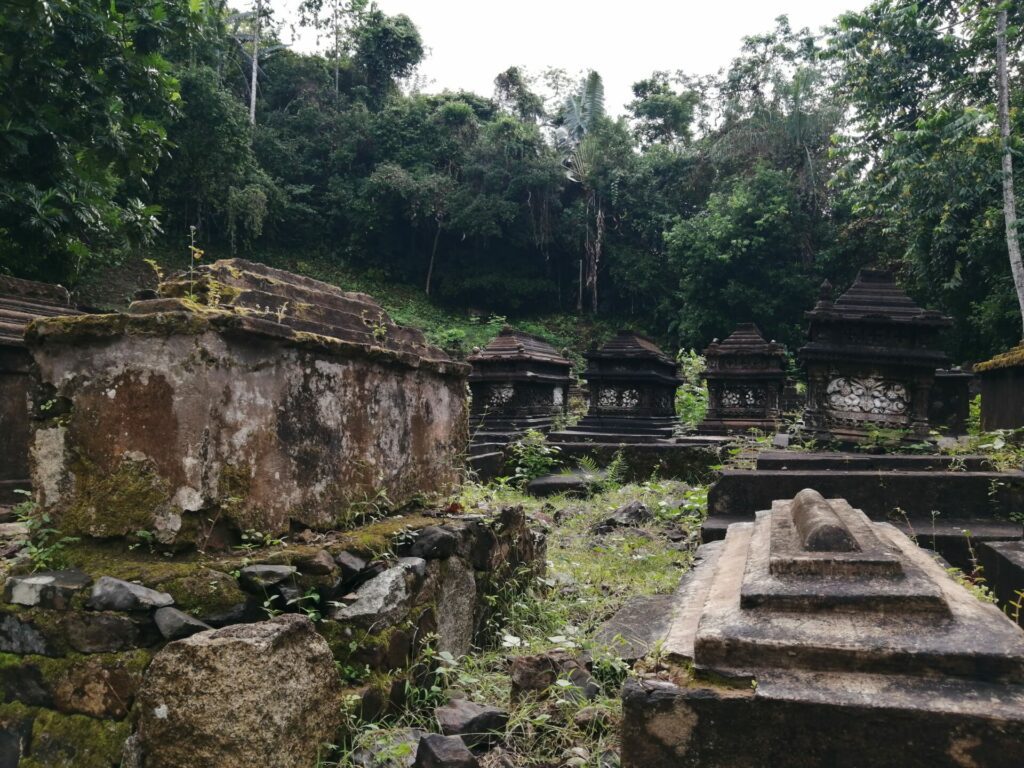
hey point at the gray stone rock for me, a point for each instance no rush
(579, 483)
(110, 594)
(417, 566)
(47, 589)
(444, 752)
(390, 749)
(24, 683)
(456, 607)
(174, 624)
(263, 694)
(381, 602)
(350, 564)
(21, 637)
(536, 674)
(100, 632)
(434, 543)
(131, 753)
(259, 578)
(477, 724)
(781, 440)
(629, 515)
(318, 564)
(632, 632)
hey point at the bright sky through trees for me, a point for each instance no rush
(471, 41)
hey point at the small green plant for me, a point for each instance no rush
(194, 255)
(309, 604)
(253, 540)
(45, 546)
(533, 457)
(692, 395)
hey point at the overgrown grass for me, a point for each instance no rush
(588, 579)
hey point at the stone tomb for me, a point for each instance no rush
(1002, 390)
(745, 377)
(870, 358)
(632, 386)
(21, 302)
(244, 397)
(519, 382)
(814, 637)
(632, 392)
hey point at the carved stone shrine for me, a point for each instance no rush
(21, 302)
(632, 390)
(813, 636)
(745, 377)
(870, 360)
(244, 397)
(1002, 390)
(519, 382)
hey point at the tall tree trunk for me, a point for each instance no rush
(255, 60)
(433, 255)
(594, 254)
(1009, 198)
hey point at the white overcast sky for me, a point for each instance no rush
(469, 42)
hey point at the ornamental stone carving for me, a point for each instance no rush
(868, 395)
(870, 358)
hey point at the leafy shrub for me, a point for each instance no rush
(533, 457)
(692, 396)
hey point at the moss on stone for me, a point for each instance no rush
(67, 329)
(54, 669)
(1012, 358)
(377, 538)
(204, 592)
(75, 741)
(118, 503)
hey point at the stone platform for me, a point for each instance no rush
(813, 636)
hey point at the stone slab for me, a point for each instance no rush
(982, 495)
(1003, 569)
(637, 627)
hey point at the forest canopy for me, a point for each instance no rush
(715, 198)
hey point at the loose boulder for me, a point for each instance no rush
(477, 724)
(443, 752)
(245, 695)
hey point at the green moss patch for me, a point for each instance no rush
(117, 503)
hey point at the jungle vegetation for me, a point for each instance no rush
(715, 197)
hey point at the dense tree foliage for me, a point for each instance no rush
(713, 200)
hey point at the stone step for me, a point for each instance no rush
(483, 449)
(486, 466)
(916, 494)
(838, 460)
(571, 436)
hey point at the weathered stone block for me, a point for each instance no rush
(278, 400)
(252, 694)
(47, 589)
